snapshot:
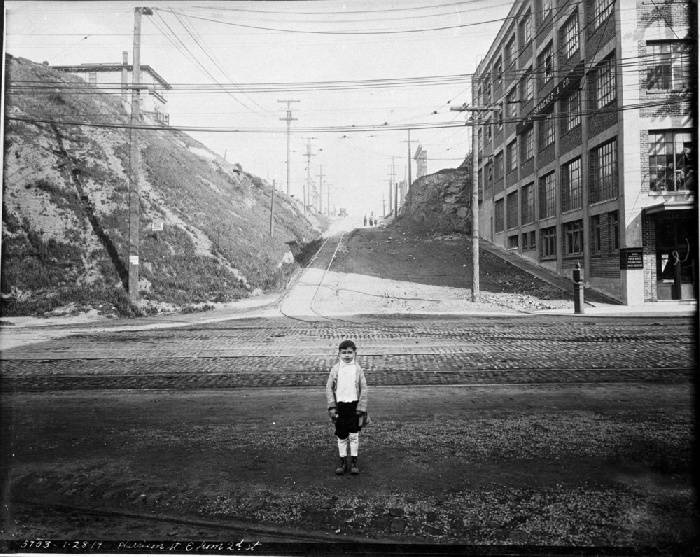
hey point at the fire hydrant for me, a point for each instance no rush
(578, 289)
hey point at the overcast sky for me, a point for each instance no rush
(220, 44)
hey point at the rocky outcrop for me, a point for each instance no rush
(439, 202)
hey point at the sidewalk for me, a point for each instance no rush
(686, 308)
(596, 302)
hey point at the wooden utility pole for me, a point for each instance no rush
(320, 190)
(289, 120)
(272, 204)
(135, 160)
(392, 176)
(396, 199)
(308, 155)
(475, 195)
(408, 160)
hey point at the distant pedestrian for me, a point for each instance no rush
(346, 393)
(365, 221)
(371, 221)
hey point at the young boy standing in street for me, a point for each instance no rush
(346, 392)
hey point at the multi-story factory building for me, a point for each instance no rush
(585, 149)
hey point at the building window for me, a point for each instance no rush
(527, 203)
(603, 172)
(481, 180)
(498, 159)
(527, 145)
(546, 9)
(509, 52)
(532, 244)
(613, 232)
(512, 103)
(526, 28)
(487, 89)
(545, 64)
(498, 72)
(605, 233)
(489, 131)
(489, 176)
(571, 36)
(512, 210)
(548, 196)
(479, 141)
(605, 83)
(596, 235)
(513, 242)
(668, 65)
(670, 161)
(499, 117)
(527, 87)
(573, 110)
(498, 215)
(548, 242)
(573, 237)
(546, 131)
(571, 186)
(601, 11)
(512, 156)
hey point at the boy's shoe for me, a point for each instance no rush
(341, 467)
(353, 466)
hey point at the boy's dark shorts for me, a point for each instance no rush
(348, 420)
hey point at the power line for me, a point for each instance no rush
(347, 128)
(361, 32)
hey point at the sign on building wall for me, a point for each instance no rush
(631, 258)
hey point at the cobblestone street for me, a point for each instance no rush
(492, 427)
(555, 409)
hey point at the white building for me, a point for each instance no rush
(116, 78)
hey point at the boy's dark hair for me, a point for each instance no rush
(347, 344)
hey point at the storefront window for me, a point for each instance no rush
(671, 161)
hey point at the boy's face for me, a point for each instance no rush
(346, 354)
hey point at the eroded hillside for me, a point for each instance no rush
(440, 202)
(65, 207)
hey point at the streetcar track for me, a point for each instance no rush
(256, 531)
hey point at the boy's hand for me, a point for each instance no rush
(332, 414)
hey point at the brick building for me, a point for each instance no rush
(587, 150)
(115, 78)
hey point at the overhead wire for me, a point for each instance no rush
(218, 66)
(323, 129)
(194, 58)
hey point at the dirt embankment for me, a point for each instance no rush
(204, 222)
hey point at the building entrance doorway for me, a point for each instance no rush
(676, 257)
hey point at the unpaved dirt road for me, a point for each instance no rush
(491, 428)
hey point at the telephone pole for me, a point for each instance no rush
(320, 190)
(308, 155)
(289, 120)
(392, 175)
(135, 160)
(408, 159)
(272, 205)
(475, 194)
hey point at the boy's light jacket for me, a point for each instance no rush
(360, 385)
